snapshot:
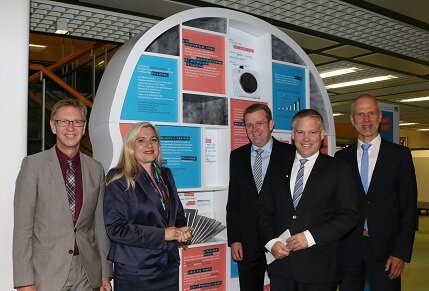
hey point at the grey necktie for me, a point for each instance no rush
(299, 184)
(71, 186)
(257, 170)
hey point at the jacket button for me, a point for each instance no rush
(71, 252)
(294, 217)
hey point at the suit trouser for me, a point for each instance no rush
(362, 264)
(279, 283)
(77, 279)
(251, 273)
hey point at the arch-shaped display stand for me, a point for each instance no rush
(192, 75)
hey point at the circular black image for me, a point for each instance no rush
(248, 83)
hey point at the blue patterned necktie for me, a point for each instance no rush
(257, 170)
(71, 187)
(299, 184)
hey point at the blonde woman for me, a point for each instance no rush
(143, 215)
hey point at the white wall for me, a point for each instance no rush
(14, 31)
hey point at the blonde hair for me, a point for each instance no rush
(128, 166)
(69, 102)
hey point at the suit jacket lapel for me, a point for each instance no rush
(273, 158)
(287, 170)
(355, 166)
(152, 195)
(312, 180)
(57, 177)
(85, 188)
(378, 170)
(173, 202)
(248, 167)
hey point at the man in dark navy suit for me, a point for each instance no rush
(313, 197)
(243, 193)
(383, 240)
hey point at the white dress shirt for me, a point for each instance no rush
(372, 155)
(266, 154)
(307, 170)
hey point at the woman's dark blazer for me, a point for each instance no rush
(135, 222)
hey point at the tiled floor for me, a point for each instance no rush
(416, 274)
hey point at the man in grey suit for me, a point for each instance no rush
(59, 239)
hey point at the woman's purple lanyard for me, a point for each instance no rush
(160, 186)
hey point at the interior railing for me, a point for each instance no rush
(74, 76)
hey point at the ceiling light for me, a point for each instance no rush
(337, 114)
(360, 82)
(61, 27)
(423, 129)
(407, 123)
(418, 99)
(37, 47)
(338, 72)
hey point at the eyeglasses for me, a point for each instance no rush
(75, 123)
(257, 124)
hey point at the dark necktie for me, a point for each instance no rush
(257, 170)
(299, 184)
(71, 187)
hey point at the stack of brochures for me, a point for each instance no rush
(203, 228)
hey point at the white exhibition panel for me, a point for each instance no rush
(192, 75)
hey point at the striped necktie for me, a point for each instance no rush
(299, 184)
(257, 170)
(71, 187)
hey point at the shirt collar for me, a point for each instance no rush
(375, 142)
(310, 158)
(268, 147)
(63, 157)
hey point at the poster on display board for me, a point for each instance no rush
(203, 60)
(242, 50)
(153, 91)
(181, 152)
(289, 93)
(389, 127)
(204, 268)
(202, 201)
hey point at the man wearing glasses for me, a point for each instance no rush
(250, 168)
(59, 239)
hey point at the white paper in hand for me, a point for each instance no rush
(283, 237)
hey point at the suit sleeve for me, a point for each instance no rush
(120, 229)
(407, 190)
(233, 205)
(100, 231)
(346, 201)
(24, 209)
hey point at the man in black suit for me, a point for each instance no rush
(384, 238)
(243, 193)
(314, 197)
